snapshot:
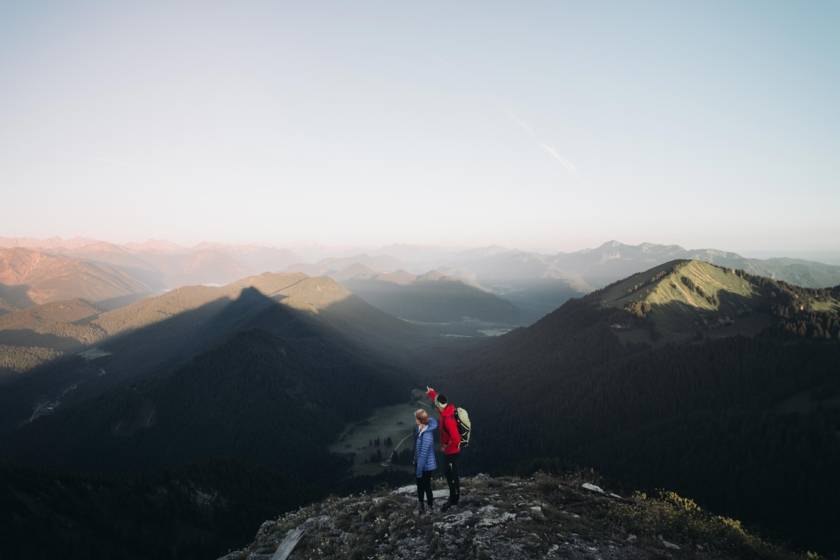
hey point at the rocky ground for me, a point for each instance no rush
(507, 518)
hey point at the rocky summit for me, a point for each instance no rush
(569, 516)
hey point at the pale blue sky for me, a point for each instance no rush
(548, 125)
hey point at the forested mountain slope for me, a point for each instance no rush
(203, 423)
(432, 298)
(712, 381)
(156, 335)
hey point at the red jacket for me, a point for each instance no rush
(450, 437)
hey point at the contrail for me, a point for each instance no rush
(522, 124)
(570, 167)
(564, 161)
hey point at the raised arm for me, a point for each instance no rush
(431, 393)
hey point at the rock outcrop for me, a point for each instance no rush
(506, 518)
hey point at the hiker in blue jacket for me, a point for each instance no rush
(424, 456)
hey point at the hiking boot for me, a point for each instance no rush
(422, 509)
(446, 506)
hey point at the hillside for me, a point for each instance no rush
(112, 254)
(333, 265)
(262, 379)
(43, 278)
(696, 298)
(188, 298)
(51, 325)
(442, 302)
(238, 399)
(60, 325)
(255, 259)
(688, 375)
(535, 283)
(68, 311)
(194, 512)
(505, 518)
(530, 281)
(157, 334)
(7, 303)
(538, 283)
(682, 296)
(433, 297)
(613, 260)
(39, 334)
(800, 272)
(161, 264)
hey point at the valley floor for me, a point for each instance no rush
(372, 441)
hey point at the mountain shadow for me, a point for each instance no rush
(260, 397)
(157, 346)
(195, 512)
(255, 385)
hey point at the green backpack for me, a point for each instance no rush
(462, 419)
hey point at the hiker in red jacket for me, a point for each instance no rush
(450, 444)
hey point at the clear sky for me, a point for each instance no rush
(546, 125)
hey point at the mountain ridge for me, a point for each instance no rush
(544, 516)
(47, 277)
(638, 377)
(161, 332)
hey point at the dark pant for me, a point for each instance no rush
(424, 486)
(451, 470)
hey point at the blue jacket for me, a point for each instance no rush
(424, 448)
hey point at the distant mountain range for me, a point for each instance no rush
(332, 265)
(162, 330)
(538, 283)
(592, 268)
(164, 265)
(533, 283)
(432, 298)
(614, 260)
(29, 277)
